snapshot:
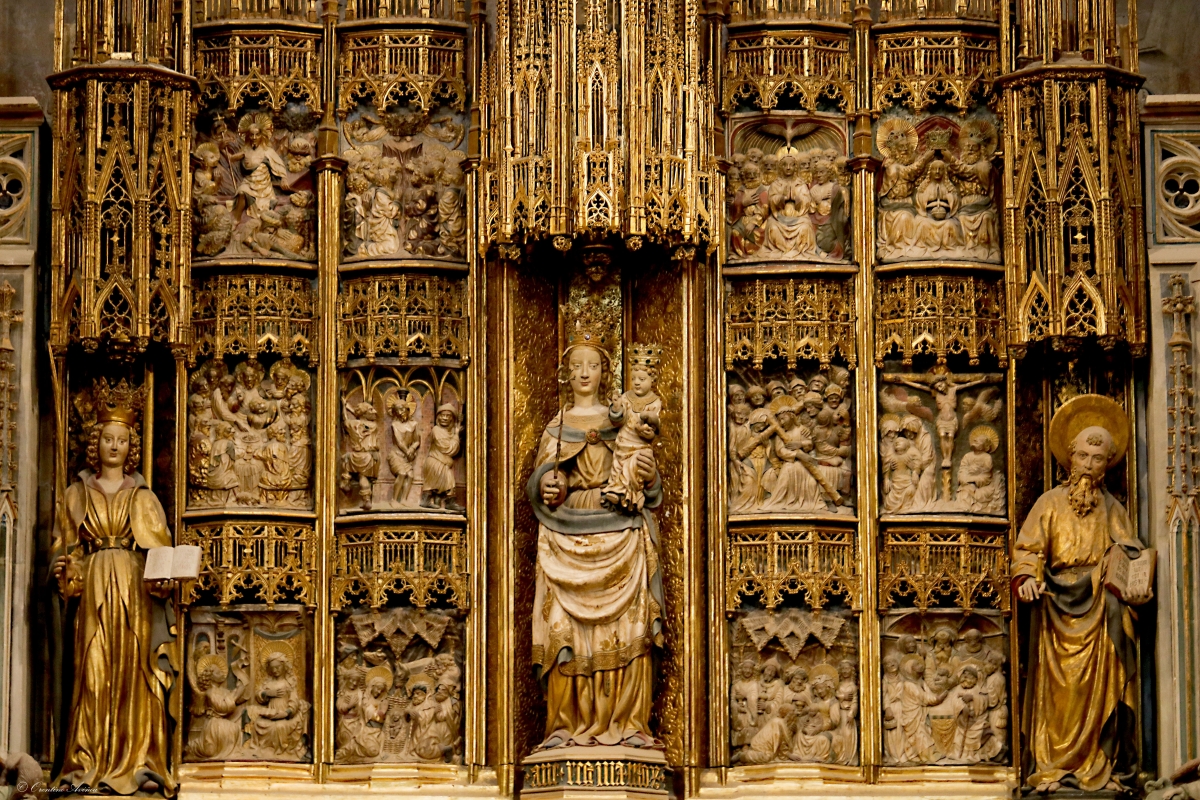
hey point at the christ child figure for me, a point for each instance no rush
(637, 413)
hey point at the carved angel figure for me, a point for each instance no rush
(218, 707)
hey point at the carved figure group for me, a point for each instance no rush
(247, 701)
(790, 205)
(366, 448)
(249, 436)
(412, 715)
(791, 444)
(253, 192)
(937, 201)
(794, 693)
(399, 688)
(911, 457)
(945, 698)
(405, 188)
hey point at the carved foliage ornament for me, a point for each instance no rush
(920, 70)
(254, 314)
(789, 319)
(812, 68)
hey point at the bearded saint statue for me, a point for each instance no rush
(1081, 697)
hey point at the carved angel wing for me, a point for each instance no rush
(983, 408)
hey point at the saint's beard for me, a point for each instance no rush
(1082, 494)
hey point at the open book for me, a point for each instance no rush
(181, 562)
(1130, 577)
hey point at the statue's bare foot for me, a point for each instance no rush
(1113, 786)
(1048, 787)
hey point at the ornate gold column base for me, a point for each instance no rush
(252, 782)
(816, 782)
(596, 773)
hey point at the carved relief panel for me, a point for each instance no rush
(248, 689)
(938, 191)
(399, 687)
(794, 689)
(941, 443)
(250, 396)
(405, 186)
(401, 437)
(788, 191)
(252, 185)
(945, 689)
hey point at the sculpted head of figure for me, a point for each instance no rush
(746, 668)
(1091, 450)
(787, 165)
(587, 369)
(113, 444)
(891, 664)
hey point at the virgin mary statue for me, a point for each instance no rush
(117, 737)
(598, 598)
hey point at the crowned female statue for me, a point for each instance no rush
(598, 598)
(117, 737)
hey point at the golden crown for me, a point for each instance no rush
(587, 330)
(120, 402)
(644, 355)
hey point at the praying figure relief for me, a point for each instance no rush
(785, 201)
(249, 436)
(945, 690)
(928, 467)
(253, 193)
(794, 694)
(405, 186)
(791, 443)
(402, 440)
(937, 193)
(248, 699)
(399, 688)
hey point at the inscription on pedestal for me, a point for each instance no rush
(596, 774)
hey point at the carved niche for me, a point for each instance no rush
(248, 694)
(937, 189)
(788, 192)
(402, 439)
(399, 687)
(941, 446)
(253, 193)
(405, 186)
(945, 688)
(794, 688)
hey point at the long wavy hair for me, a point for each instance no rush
(93, 449)
(564, 374)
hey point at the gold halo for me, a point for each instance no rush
(381, 671)
(893, 125)
(281, 647)
(204, 662)
(1086, 411)
(824, 670)
(785, 402)
(392, 397)
(987, 432)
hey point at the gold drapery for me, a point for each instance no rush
(118, 708)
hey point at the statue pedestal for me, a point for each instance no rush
(596, 773)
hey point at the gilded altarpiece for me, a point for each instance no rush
(404, 305)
